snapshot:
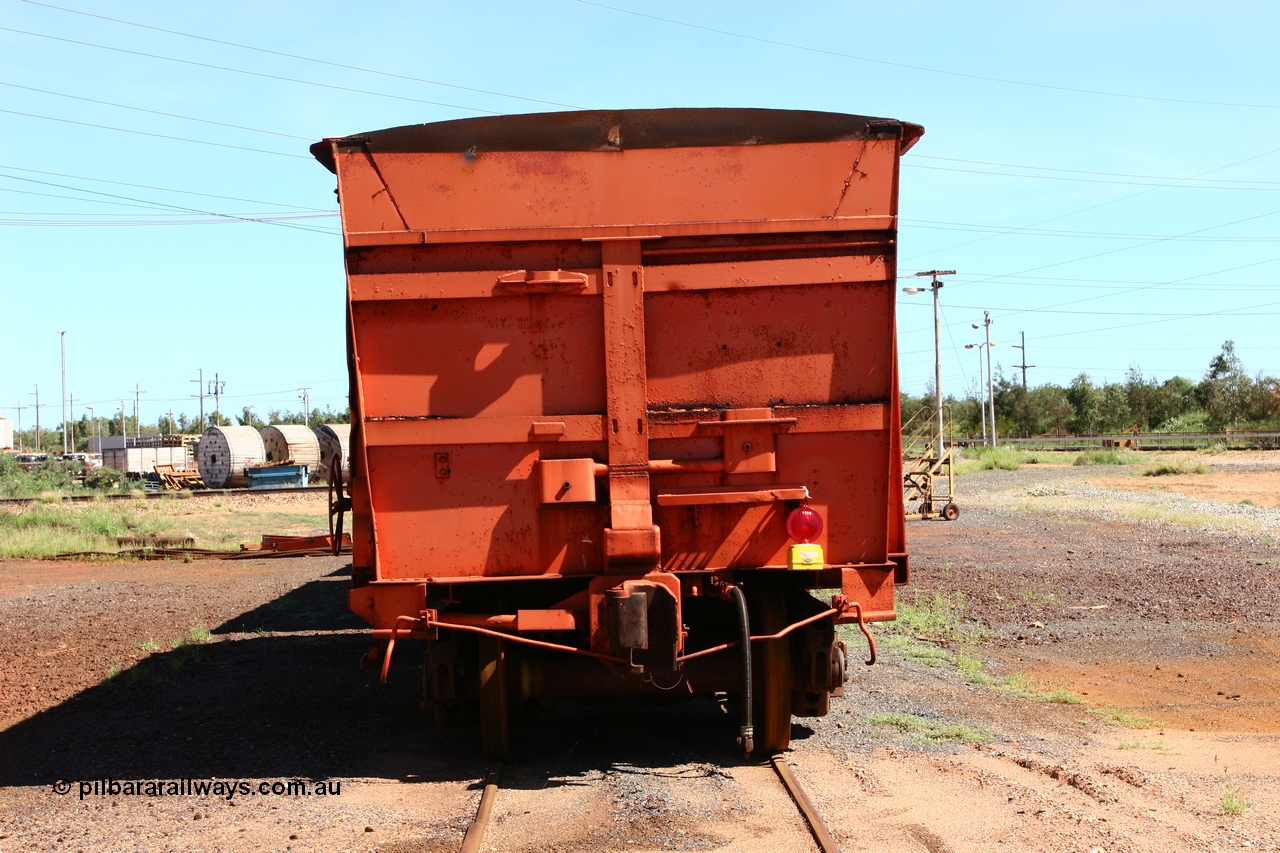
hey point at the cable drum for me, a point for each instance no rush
(224, 452)
(334, 439)
(284, 442)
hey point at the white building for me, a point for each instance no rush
(6, 434)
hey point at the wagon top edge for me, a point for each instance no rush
(619, 130)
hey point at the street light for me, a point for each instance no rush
(935, 286)
(982, 405)
(62, 337)
(986, 323)
(94, 421)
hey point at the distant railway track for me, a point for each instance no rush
(195, 493)
(1143, 441)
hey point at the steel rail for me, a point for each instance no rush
(821, 834)
(474, 836)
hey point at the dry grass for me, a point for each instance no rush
(44, 530)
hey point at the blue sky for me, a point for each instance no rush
(1104, 177)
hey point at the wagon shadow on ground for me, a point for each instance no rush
(278, 692)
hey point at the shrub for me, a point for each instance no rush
(1108, 457)
(1167, 468)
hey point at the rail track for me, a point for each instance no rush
(473, 838)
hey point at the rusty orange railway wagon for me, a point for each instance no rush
(624, 404)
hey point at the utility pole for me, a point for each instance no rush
(37, 419)
(306, 405)
(1024, 364)
(137, 408)
(986, 322)
(173, 426)
(937, 349)
(62, 337)
(93, 422)
(71, 411)
(20, 407)
(200, 385)
(124, 429)
(216, 387)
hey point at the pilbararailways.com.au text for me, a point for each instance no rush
(226, 788)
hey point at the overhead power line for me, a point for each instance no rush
(174, 207)
(1248, 159)
(1130, 248)
(157, 112)
(1150, 286)
(167, 189)
(157, 135)
(301, 58)
(916, 156)
(935, 225)
(1002, 80)
(1178, 183)
(1246, 311)
(246, 72)
(210, 219)
(1102, 283)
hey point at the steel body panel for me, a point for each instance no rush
(594, 189)
(709, 323)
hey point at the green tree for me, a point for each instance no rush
(1224, 392)
(910, 406)
(1175, 398)
(1014, 412)
(249, 418)
(1053, 410)
(1113, 409)
(1086, 400)
(1140, 394)
(1264, 401)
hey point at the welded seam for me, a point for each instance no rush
(848, 181)
(390, 195)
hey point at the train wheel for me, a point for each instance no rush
(494, 711)
(771, 672)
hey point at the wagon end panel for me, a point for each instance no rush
(689, 317)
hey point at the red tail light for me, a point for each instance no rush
(804, 524)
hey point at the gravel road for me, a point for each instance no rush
(1146, 609)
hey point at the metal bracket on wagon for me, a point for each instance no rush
(840, 603)
(424, 619)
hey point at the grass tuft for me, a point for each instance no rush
(1233, 801)
(1179, 467)
(925, 654)
(1123, 719)
(995, 459)
(1138, 744)
(924, 731)
(1028, 688)
(1108, 457)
